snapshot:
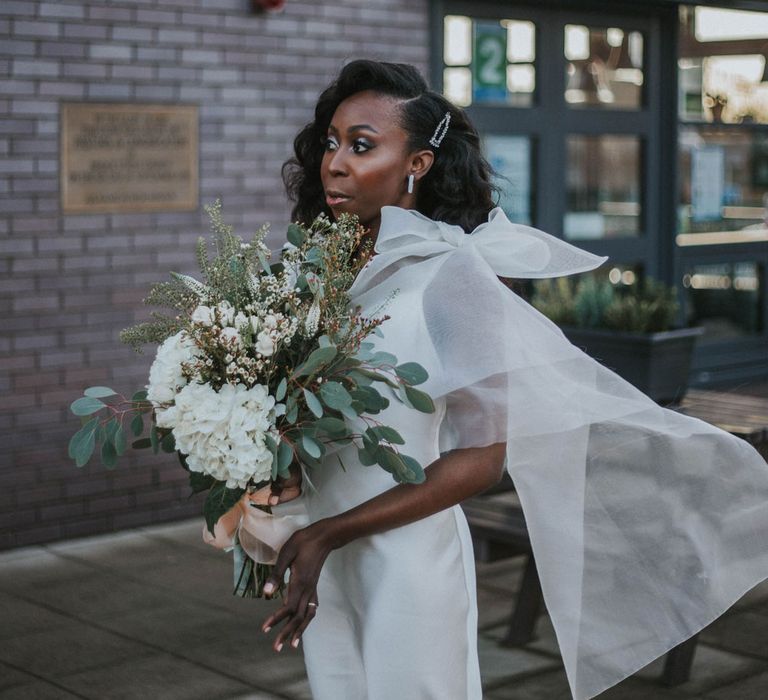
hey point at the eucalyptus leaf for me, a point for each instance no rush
(219, 500)
(311, 446)
(137, 424)
(419, 400)
(140, 395)
(264, 262)
(324, 341)
(382, 358)
(332, 426)
(334, 395)
(384, 432)
(119, 440)
(154, 439)
(349, 412)
(83, 441)
(366, 457)
(86, 405)
(284, 455)
(200, 482)
(99, 392)
(412, 372)
(313, 403)
(295, 235)
(281, 387)
(318, 358)
(108, 454)
(141, 444)
(168, 443)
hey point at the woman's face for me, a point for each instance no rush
(366, 161)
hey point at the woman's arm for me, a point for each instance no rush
(450, 479)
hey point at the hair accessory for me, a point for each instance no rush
(441, 130)
(410, 184)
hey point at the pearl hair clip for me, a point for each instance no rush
(441, 130)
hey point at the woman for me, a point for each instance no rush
(640, 537)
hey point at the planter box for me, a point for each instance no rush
(656, 363)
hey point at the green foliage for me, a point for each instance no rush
(647, 307)
(219, 500)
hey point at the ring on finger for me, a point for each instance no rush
(314, 605)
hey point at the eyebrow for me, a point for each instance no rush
(354, 127)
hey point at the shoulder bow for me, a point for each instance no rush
(510, 249)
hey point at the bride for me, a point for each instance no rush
(645, 524)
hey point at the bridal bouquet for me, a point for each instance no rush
(261, 367)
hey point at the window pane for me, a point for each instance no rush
(724, 180)
(511, 159)
(725, 298)
(603, 187)
(726, 81)
(604, 67)
(489, 61)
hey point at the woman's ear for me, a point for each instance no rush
(420, 163)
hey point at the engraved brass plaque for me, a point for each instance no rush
(128, 157)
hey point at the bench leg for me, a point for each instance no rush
(527, 608)
(677, 665)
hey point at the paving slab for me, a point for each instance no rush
(751, 688)
(500, 665)
(37, 690)
(157, 676)
(742, 632)
(72, 647)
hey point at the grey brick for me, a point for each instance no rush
(200, 56)
(62, 49)
(156, 91)
(177, 73)
(112, 14)
(132, 72)
(61, 88)
(155, 53)
(43, 69)
(34, 107)
(85, 70)
(18, 47)
(221, 75)
(85, 31)
(110, 90)
(59, 9)
(133, 33)
(110, 52)
(176, 36)
(156, 16)
(17, 7)
(36, 28)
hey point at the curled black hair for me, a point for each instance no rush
(457, 189)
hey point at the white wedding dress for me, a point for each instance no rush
(646, 524)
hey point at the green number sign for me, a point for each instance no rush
(489, 64)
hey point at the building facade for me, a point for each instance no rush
(634, 130)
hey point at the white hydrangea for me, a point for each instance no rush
(222, 433)
(265, 344)
(203, 315)
(165, 377)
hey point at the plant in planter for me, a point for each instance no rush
(630, 330)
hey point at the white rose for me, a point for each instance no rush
(203, 315)
(264, 344)
(226, 312)
(240, 320)
(270, 321)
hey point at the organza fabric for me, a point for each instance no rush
(645, 524)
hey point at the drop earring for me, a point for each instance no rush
(410, 184)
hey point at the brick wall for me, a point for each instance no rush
(69, 284)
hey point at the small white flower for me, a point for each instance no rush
(270, 321)
(229, 336)
(264, 344)
(226, 312)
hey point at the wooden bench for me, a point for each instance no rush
(498, 526)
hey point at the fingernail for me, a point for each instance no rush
(266, 629)
(268, 588)
(280, 646)
(295, 643)
(273, 500)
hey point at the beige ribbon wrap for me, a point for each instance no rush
(260, 534)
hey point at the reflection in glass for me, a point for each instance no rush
(725, 298)
(605, 67)
(724, 180)
(489, 61)
(510, 158)
(603, 187)
(726, 81)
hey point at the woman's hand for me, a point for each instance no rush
(279, 491)
(304, 553)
